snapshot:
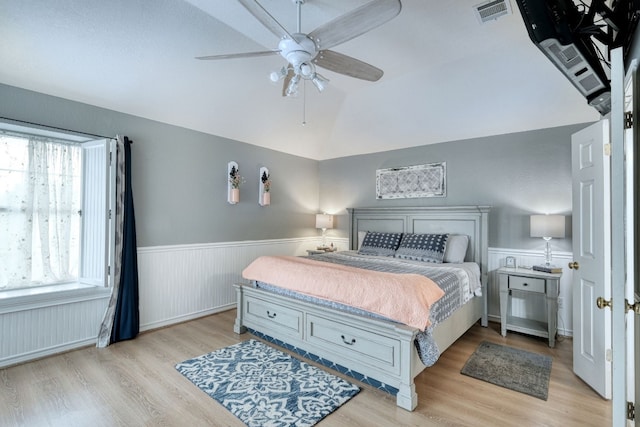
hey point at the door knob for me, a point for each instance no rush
(602, 303)
(633, 307)
(574, 265)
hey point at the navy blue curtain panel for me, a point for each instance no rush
(126, 323)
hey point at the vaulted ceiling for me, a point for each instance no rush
(446, 75)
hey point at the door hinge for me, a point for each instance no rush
(109, 213)
(628, 120)
(110, 157)
(607, 149)
(631, 411)
(108, 270)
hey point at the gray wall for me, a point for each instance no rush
(180, 176)
(517, 174)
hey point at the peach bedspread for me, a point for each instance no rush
(405, 298)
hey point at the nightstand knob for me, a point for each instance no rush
(574, 265)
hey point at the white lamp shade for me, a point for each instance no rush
(547, 226)
(324, 221)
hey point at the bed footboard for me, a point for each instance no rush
(376, 352)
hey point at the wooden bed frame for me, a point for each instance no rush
(377, 352)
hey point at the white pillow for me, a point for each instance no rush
(361, 235)
(456, 248)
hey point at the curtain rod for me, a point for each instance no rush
(57, 128)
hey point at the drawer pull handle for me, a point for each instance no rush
(271, 315)
(344, 340)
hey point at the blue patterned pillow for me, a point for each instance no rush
(381, 244)
(423, 247)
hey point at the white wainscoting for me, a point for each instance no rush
(176, 283)
(179, 283)
(183, 282)
(40, 331)
(536, 309)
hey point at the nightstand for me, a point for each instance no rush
(528, 283)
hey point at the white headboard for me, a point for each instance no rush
(469, 220)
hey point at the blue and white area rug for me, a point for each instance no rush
(266, 387)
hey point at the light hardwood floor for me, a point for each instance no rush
(134, 383)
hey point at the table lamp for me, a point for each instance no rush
(547, 227)
(324, 221)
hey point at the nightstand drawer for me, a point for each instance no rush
(527, 284)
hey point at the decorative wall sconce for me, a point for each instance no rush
(264, 187)
(233, 185)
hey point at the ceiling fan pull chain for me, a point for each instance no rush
(304, 102)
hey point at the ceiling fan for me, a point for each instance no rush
(303, 52)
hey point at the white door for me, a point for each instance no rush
(631, 203)
(624, 95)
(592, 252)
(632, 220)
(634, 360)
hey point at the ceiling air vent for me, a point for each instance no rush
(490, 10)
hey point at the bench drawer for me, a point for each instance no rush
(279, 318)
(363, 346)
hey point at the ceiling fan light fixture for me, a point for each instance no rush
(319, 82)
(307, 70)
(292, 89)
(276, 76)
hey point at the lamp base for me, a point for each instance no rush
(547, 252)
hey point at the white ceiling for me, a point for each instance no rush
(447, 77)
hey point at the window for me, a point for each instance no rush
(54, 209)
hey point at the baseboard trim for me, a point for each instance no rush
(46, 352)
(185, 317)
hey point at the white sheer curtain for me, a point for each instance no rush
(39, 205)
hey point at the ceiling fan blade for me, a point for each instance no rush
(239, 55)
(355, 23)
(265, 18)
(347, 65)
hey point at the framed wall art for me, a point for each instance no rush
(427, 180)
